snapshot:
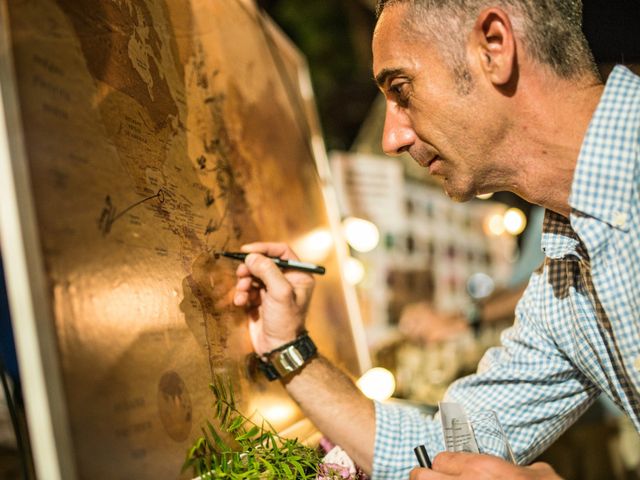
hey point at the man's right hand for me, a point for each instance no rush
(277, 300)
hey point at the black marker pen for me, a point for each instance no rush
(423, 456)
(280, 262)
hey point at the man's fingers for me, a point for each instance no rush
(539, 466)
(255, 297)
(472, 465)
(250, 299)
(452, 463)
(427, 474)
(544, 469)
(267, 271)
(247, 287)
(268, 249)
(244, 284)
(242, 271)
(240, 299)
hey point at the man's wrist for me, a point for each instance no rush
(270, 344)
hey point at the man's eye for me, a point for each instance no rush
(400, 91)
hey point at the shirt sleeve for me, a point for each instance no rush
(535, 390)
(399, 429)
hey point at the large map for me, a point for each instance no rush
(158, 132)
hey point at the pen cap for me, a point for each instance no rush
(422, 456)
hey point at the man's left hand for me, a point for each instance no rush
(470, 466)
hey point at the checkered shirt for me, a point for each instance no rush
(577, 328)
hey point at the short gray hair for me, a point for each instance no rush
(551, 30)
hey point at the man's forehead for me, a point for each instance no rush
(387, 39)
(391, 21)
(393, 45)
(393, 31)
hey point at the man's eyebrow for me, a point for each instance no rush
(385, 73)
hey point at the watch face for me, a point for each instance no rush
(288, 360)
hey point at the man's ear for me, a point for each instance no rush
(493, 42)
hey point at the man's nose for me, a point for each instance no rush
(398, 134)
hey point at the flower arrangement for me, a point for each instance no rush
(337, 465)
(243, 449)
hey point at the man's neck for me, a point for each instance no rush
(550, 126)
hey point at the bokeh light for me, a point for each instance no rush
(353, 271)
(315, 246)
(484, 196)
(361, 235)
(514, 221)
(377, 384)
(494, 224)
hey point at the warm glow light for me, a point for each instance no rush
(314, 246)
(353, 271)
(278, 413)
(485, 196)
(514, 221)
(377, 384)
(494, 224)
(362, 235)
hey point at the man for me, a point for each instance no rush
(495, 95)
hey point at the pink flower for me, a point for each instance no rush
(333, 471)
(337, 465)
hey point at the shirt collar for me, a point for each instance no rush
(559, 240)
(603, 181)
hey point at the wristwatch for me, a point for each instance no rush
(288, 358)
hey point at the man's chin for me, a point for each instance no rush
(456, 193)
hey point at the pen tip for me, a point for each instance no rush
(216, 255)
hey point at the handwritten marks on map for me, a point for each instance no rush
(110, 213)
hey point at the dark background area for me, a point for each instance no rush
(335, 37)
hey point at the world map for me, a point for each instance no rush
(157, 133)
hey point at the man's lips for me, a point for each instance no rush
(433, 165)
(427, 162)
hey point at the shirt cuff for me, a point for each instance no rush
(399, 429)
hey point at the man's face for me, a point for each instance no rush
(443, 129)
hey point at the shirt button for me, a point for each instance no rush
(636, 363)
(619, 219)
